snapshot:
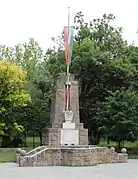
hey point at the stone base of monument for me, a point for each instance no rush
(64, 139)
(71, 156)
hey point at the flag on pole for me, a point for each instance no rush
(68, 43)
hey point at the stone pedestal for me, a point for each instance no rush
(60, 123)
(68, 125)
(69, 135)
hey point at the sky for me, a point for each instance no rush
(43, 19)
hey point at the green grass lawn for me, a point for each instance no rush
(133, 156)
(8, 156)
(103, 143)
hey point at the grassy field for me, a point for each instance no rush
(126, 144)
(10, 154)
(133, 156)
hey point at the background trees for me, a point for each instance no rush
(35, 114)
(106, 67)
(103, 63)
(118, 116)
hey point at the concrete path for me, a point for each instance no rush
(107, 171)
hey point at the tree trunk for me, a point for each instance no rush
(25, 137)
(119, 144)
(40, 136)
(6, 141)
(97, 137)
(33, 139)
(108, 141)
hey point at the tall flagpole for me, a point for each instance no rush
(68, 75)
(68, 19)
(68, 43)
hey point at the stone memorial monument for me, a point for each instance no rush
(65, 141)
(65, 127)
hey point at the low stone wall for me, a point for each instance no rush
(71, 156)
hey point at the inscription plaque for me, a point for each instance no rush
(69, 137)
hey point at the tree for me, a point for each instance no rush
(101, 61)
(12, 94)
(100, 64)
(29, 56)
(118, 116)
(40, 106)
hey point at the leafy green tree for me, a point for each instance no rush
(100, 62)
(27, 56)
(12, 94)
(41, 106)
(100, 65)
(118, 116)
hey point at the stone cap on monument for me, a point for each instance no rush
(62, 78)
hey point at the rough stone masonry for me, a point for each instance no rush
(52, 135)
(53, 153)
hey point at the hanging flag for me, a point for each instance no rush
(66, 45)
(71, 28)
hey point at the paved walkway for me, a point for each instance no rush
(107, 171)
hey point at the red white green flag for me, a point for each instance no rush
(68, 43)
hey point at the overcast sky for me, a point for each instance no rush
(42, 19)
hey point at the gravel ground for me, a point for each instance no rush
(108, 171)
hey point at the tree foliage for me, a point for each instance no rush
(118, 116)
(12, 94)
(29, 57)
(102, 61)
(106, 68)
